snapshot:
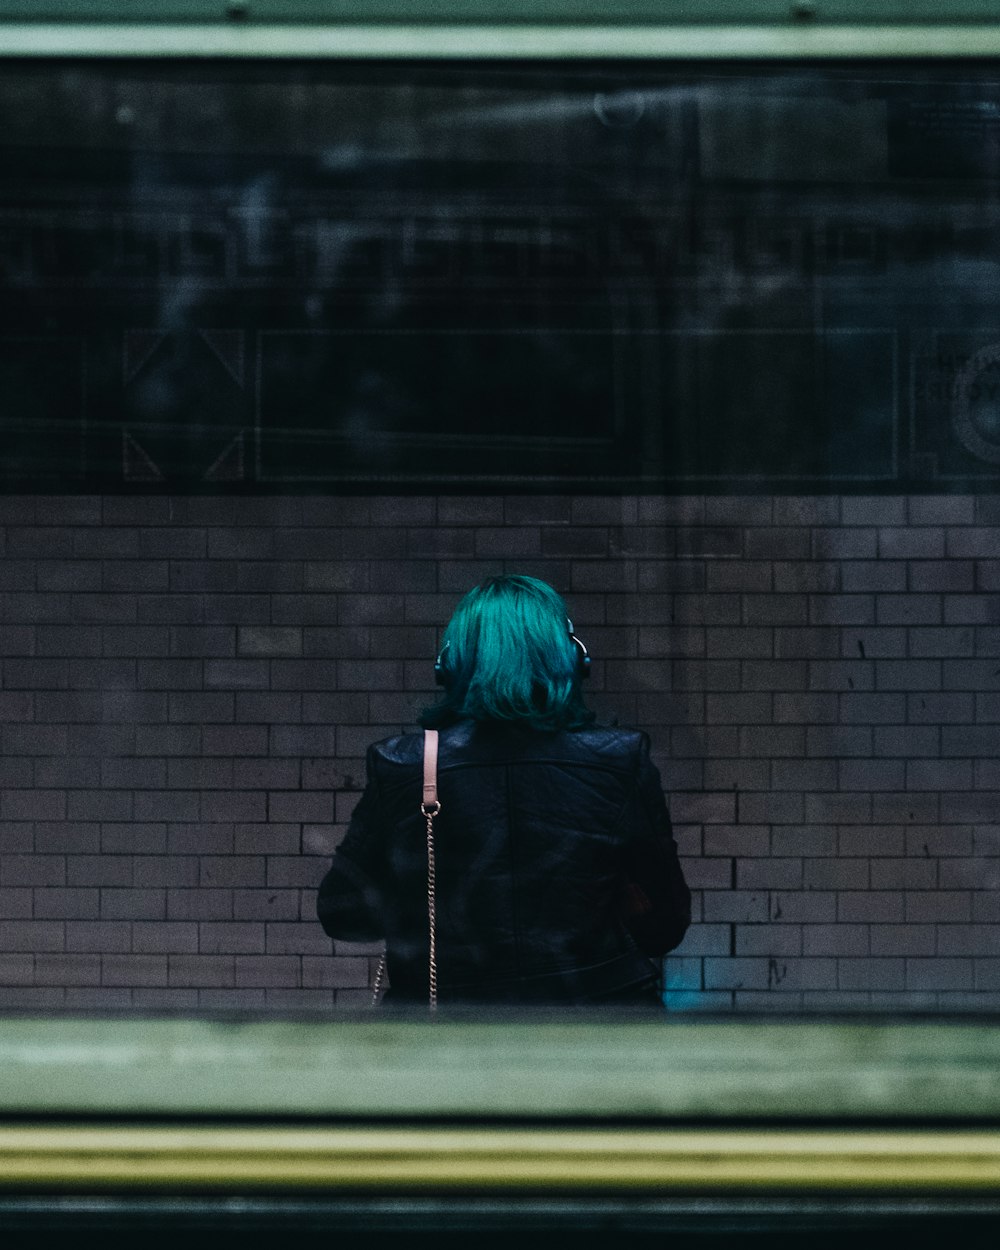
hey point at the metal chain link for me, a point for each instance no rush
(379, 978)
(430, 810)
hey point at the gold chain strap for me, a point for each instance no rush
(379, 979)
(429, 808)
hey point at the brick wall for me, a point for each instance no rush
(189, 685)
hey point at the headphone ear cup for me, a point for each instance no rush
(440, 672)
(582, 658)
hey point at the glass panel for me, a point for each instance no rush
(291, 355)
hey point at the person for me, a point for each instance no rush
(557, 877)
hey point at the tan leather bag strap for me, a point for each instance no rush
(430, 771)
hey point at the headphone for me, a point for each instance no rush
(582, 660)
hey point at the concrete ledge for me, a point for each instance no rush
(505, 1069)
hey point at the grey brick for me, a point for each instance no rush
(268, 970)
(922, 675)
(949, 643)
(976, 675)
(873, 510)
(133, 970)
(269, 904)
(767, 939)
(871, 774)
(15, 904)
(871, 974)
(202, 970)
(846, 675)
(970, 740)
(799, 775)
(180, 805)
(706, 874)
(742, 643)
(880, 575)
(907, 740)
(671, 510)
(243, 938)
(971, 610)
(769, 874)
(97, 935)
(234, 740)
(730, 906)
(912, 543)
(939, 775)
(339, 973)
(771, 808)
(844, 544)
(804, 840)
(219, 806)
(902, 939)
(806, 510)
(835, 939)
(17, 969)
(878, 643)
(31, 935)
(33, 805)
(973, 541)
(939, 974)
(165, 870)
(132, 904)
(166, 674)
(300, 806)
(730, 840)
(941, 509)
(988, 641)
(33, 870)
(939, 709)
(950, 576)
(709, 541)
(739, 575)
(825, 741)
(845, 609)
(944, 906)
(838, 808)
(880, 906)
(97, 870)
(736, 973)
(964, 939)
(68, 970)
(908, 609)
(65, 904)
(903, 874)
(671, 575)
(165, 937)
(200, 904)
(777, 543)
(774, 609)
(149, 839)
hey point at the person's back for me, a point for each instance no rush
(557, 877)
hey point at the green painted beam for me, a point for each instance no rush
(700, 12)
(745, 12)
(508, 1067)
(494, 41)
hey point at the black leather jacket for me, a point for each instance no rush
(557, 872)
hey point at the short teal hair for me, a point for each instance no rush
(508, 656)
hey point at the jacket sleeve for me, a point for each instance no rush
(350, 902)
(656, 905)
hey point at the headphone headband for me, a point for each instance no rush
(583, 658)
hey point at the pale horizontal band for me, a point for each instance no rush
(514, 40)
(135, 1158)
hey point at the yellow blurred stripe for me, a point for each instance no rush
(134, 1158)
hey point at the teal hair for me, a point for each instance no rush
(508, 656)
